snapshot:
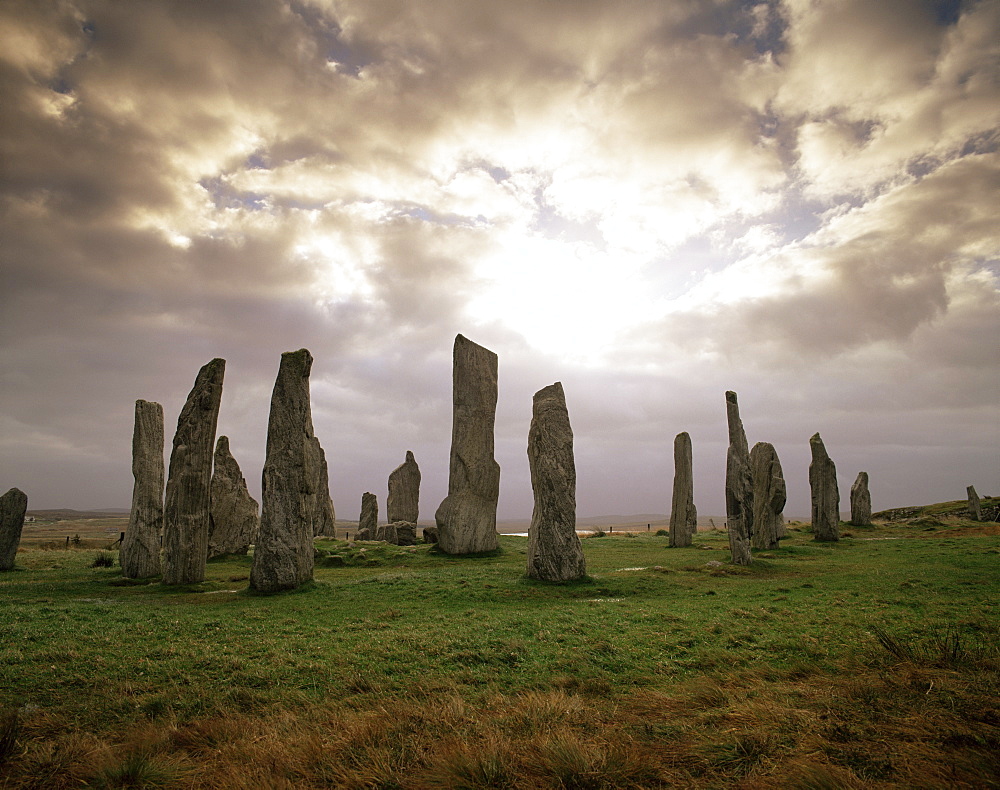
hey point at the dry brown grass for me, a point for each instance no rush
(883, 724)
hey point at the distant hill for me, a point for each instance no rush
(989, 505)
(65, 514)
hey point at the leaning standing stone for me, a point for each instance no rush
(683, 515)
(554, 550)
(825, 494)
(467, 518)
(235, 518)
(861, 501)
(739, 486)
(140, 551)
(283, 554)
(325, 523)
(13, 505)
(403, 503)
(975, 510)
(768, 496)
(189, 482)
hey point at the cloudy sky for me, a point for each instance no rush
(652, 202)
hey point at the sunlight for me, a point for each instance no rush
(565, 298)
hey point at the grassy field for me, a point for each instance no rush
(872, 662)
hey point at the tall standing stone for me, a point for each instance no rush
(13, 506)
(683, 515)
(739, 486)
(283, 554)
(861, 501)
(975, 510)
(140, 551)
(769, 495)
(368, 520)
(467, 518)
(825, 494)
(554, 550)
(235, 517)
(403, 503)
(325, 523)
(189, 481)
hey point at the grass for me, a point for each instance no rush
(871, 662)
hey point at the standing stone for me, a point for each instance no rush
(739, 486)
(283, 554)
(235, 519)
(825, 494)
(554, 550)
(13, 505)
(683, 515)
(403, 503)
(189, 482)
(467, 518)
(368, 521)
(975, 510)
(861, 501)
(140, 551)
(325, 523)
(768, 496)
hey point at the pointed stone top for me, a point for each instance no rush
(409, 456)
(222, 444)
(16, 493)
(462, 342)
(815, 440)
(551, 391)
(730, 396)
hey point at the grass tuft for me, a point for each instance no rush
(104, 559)
(10, 731)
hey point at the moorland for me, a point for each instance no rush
(872, 662)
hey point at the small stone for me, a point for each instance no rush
(13, 506)
(387, 534)
(861, 501)
(683, 514)
(769, 494)
(369, 515)
(187, 504)
(825, 494)
(974, 508)
(235, 517)
(325, 521)
(467, 517)
(403, 502)
(429, 535)
(140, 550)
(554, 550)
(283, 553)
(406, 533)
(739, 486)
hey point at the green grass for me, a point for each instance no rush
(704, 674)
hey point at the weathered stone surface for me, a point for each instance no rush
(387, 534)
(739, 486)
(235, 516)
(283, 554)
(406, 533)
(429, 534)
(975, 510)
(683, 514)
(403, 503)
(140, 551)
(365, 534)
(325, 521)
(861, 501)
(769, 494)
(554, 550)
(369, 515)
(13, 505)
(189, 481)
(467, 518)
(825, 494)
